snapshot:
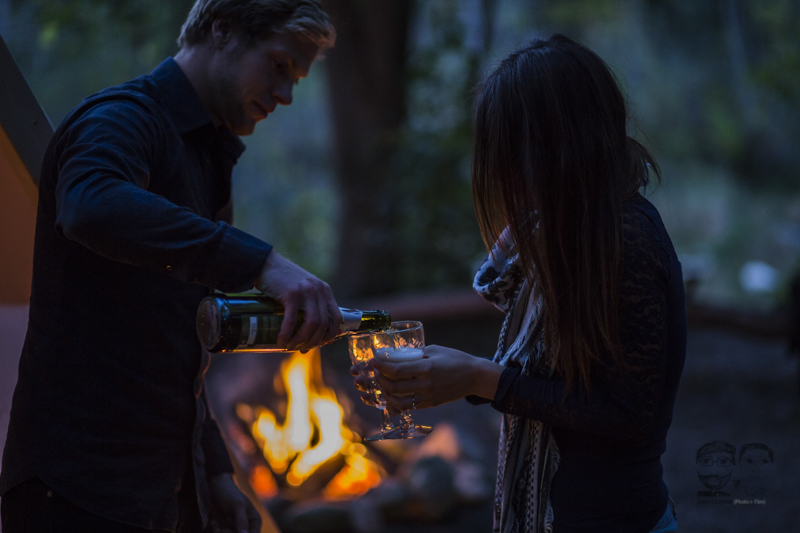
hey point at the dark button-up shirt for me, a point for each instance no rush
(109, 407)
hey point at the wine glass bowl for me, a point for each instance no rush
(361, 355)
(362, 352)
(404, 341)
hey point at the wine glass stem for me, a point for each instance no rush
(386, 422)
(406, 420)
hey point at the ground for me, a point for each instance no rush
(738, 390)
(734, 389)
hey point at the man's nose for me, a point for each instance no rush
(283, 94)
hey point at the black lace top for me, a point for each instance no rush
(611, 439)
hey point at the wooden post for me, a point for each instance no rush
(25, 131)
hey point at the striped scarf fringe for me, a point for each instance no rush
(528, 455)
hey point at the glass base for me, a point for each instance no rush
(409, 432)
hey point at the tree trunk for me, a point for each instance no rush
(366, 74)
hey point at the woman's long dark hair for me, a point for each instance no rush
(553, 162)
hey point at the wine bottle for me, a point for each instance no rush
(251, 322)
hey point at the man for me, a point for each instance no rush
(110, 429)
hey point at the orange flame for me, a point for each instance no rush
(263, 482)
(312, 433)
(356, 478)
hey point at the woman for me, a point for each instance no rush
(593, 343)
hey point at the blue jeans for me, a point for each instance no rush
(669, 521)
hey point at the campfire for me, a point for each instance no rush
(300, 445)
(305, 441)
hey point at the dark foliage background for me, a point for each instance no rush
(713, 88)
(364, 180)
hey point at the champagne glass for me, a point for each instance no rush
(362, 352)
(404, 341)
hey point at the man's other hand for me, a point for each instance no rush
(231, 510)
(298, 290)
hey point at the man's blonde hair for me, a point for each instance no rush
(254, 20)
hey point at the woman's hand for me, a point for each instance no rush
(444, 375)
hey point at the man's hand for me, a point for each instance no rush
(299, 290)
(231, 510)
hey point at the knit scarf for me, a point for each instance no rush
(528, 455)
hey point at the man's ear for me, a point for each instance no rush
(221, 32)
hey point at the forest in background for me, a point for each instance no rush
(364, 179)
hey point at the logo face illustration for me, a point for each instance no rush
(722, 471)
(755, 469)
(715, 462)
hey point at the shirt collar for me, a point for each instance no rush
(181, 101)
(179, 98)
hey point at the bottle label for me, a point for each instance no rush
(260, 331)
(351, 320)
(251, 337)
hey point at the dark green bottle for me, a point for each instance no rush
(251, 323)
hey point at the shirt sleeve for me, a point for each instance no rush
(624, 399)
(103, 203)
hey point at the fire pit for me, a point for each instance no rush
(307, 447)
(295, 427)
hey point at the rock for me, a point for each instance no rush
(317, 517)
(472, 484)
(277, 506)
(366, 515)
(392, 497)
(432, 489)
